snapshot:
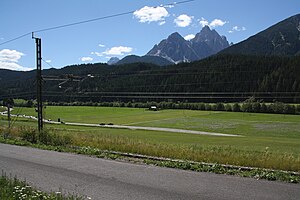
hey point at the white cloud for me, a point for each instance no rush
(118, 51)
(162, 23)
(151, 14)
(203, 22)
(13, 66)
(9, 60)
(189, 37)
(183, 20)
(8, 55)
(48, 61)
(86, 59)
(97, 53)
(217, 22)
(101, 45)
(168, 6)
(237, 29)
(214, 23)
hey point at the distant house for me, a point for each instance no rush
(153, 108)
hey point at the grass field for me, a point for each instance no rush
(271, 141)
(2, 109)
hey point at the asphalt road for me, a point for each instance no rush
(106, 179)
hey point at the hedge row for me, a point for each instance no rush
(249, 105)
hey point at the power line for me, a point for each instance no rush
(19, 37)
(47, 63)
(88, 21)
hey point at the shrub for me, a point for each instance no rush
(201, 106)
(256, 107)
(236, 107)
(220, 107)
(45, 137)
(29, 135)
(228, 108)
(277, 107)
(208, 106)
(263, 108)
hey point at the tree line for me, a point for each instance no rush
(250, 105)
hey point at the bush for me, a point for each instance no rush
(207, 106)
(277, 107)
(29, 135)
(201, 106)
(45, 137)
(256, 107)
(264, 108)
(228, 108)
(220, 107)
(246, 107)
(236, 107)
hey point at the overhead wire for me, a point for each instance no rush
(87, 21)
(47, 63)
(11, 40)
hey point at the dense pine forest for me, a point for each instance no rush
(220, 78)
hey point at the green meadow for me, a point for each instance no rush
(269, 140)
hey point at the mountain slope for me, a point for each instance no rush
(281, 39)
(208, 42)
(176, 49)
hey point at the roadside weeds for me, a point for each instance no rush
(251, 172)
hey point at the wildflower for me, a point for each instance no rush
(267, 148)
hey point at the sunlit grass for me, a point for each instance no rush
(271, 140)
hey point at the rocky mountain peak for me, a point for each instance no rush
(175, 36)
(176, 49)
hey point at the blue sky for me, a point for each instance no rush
(134, 33)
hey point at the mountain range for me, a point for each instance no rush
(175, 49)
(282, 39)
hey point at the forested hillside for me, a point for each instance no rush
(220, 77)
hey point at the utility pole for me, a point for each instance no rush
(8, 115)
(38, 42)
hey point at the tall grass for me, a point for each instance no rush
(201, 153)
(222, 154)
(13, 189)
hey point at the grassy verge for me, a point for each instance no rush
(257, 173)
(245, 151)
(12, 189)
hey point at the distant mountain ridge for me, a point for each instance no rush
(281, 39)
(113, 60)
(176, 49)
